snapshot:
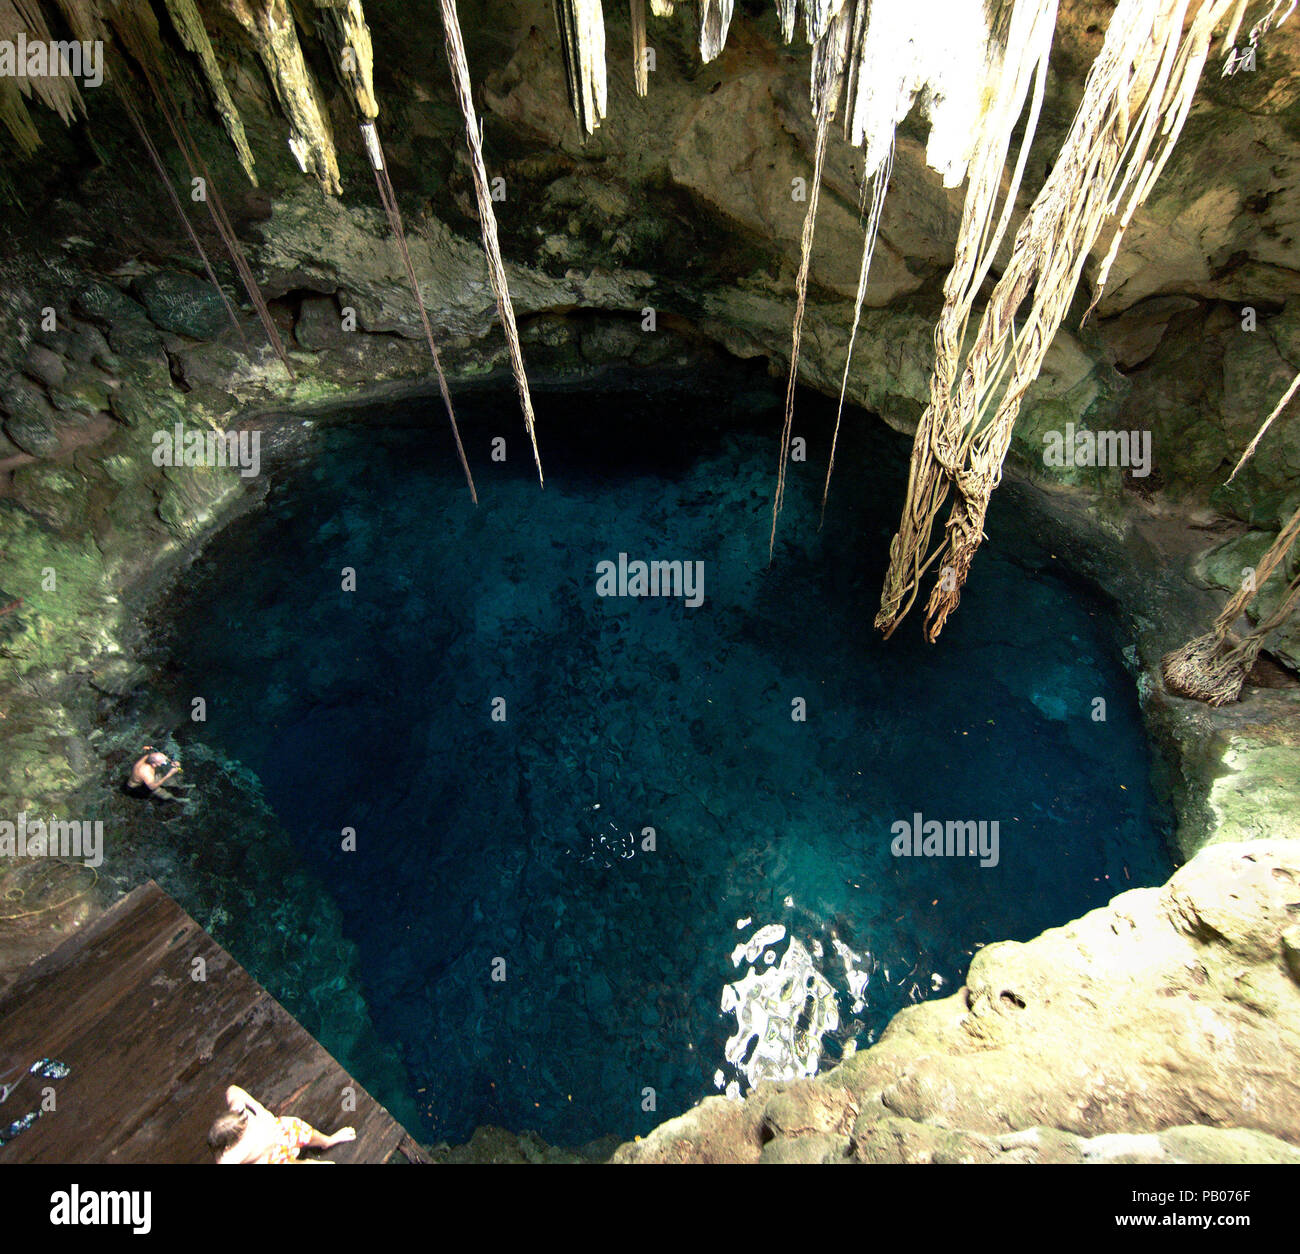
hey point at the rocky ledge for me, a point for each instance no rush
(1164, 1027)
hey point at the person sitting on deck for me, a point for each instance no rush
(147, 773)
(249, 1133)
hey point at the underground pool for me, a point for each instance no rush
(603, 855)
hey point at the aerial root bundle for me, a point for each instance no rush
(1213, 667)
(1135, 102)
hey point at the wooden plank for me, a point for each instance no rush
(152, 1049)
(41, 1009)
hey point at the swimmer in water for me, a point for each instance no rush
(148, 773)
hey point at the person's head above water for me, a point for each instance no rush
(158, 759)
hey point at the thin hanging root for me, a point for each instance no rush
(1268, 422)
(879, 187)
(370, 134)
(487, 219)
(801, 295)
(138, 44)
(133, 112)
(830, 53)
(640, 70)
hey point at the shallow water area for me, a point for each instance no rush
(571, 810)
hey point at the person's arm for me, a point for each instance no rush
(165, 778)
(238, 1099)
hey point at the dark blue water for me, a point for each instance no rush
(524, 840)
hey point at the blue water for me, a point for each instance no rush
(524, 840)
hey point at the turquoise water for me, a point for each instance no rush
(519, 848)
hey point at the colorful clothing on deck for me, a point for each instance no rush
(292, 1134)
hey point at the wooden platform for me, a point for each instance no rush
(152, 1050)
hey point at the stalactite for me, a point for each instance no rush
(1147, 54)
(828, 66)
(853, 64)
(715, 18)
(346, 32)
(15, 118)
(787, 12)
(818, 16)
(459, 65)
(56, 91)
(640, 70)
(270, 25)
(1213, 667)
(581, 24)
(193, 34)
(943, 53)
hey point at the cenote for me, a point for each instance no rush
(545, 902)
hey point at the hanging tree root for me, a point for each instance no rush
(1135, 101)
(1210, 668)
(829, 55)
(459, 65)
(388, 198)
(1213, 667)
(879, 186)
